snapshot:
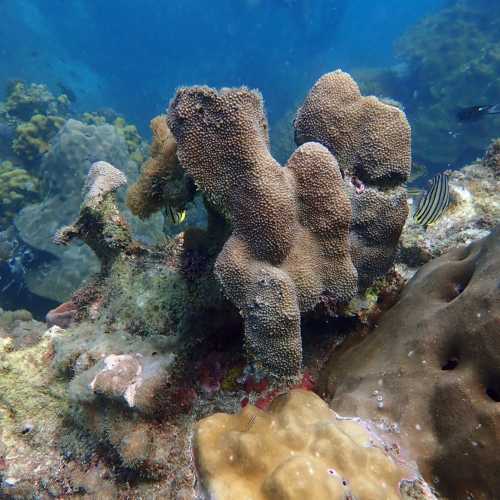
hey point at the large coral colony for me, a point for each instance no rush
(149, 348)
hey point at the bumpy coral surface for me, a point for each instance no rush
(297, 449)
(371, 141)
(290, 225)
(100, 224)
(292, 240)
(430, 368)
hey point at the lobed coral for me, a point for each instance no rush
(297, 449)
(17, 188)
(371, 141)
(291, 238)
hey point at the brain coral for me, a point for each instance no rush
(300, 231)
(298, 449)
(290, 225)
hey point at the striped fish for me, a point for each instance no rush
(434, 202)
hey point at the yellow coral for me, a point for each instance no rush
(17, 188)
(33, 137)
(298, 449)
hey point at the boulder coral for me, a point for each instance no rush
(298, 232)
(299, 449)
(431, 368)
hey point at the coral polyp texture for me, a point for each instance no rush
(372, 142)
(298, 449)
(298, 232)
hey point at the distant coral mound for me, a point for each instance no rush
(298, 449)
(432, 368)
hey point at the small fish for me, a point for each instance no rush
(177, 217)
(475, 113)
(434, 202)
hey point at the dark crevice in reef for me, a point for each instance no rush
(451, 363)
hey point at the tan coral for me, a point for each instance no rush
(298, 449)
(372, 142)
(162, 182)
(290, 225)
(370, 139)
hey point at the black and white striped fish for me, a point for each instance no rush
(434, 202)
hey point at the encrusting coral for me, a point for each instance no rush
(431, 367)
(291, 241)
(299, 449)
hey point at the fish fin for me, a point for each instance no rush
(494, 110)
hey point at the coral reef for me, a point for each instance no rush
(430, 369)
(24, 101)
(17, 188)
(473, 212)
(297, 449)
(291, 226)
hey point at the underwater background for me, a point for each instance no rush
(223, 222)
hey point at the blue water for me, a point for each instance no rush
(131, 55)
